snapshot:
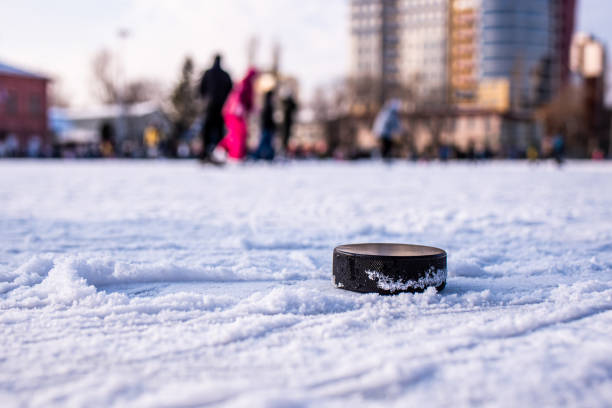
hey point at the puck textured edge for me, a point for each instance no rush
(387, 274)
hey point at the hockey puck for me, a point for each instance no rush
(388, 268)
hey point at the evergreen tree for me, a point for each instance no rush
(184, 103)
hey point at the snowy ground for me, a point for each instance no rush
(168, 284)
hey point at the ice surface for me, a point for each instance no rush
(169, 284)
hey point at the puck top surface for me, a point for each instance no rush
(394, 250)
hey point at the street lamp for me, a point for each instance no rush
(123, 34)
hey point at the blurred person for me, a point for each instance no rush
(558, 146)
(152, 139)
(386, 124)
(11, 145)
(215, 87)
(236, 112)
(470, 153)
(597, 154)
(265, 150)
(3, 143)
(182, 150)
(34, 147)
(488, 151)
(289, 109)
(532, 153)
(107, 142)
(444, 152)
(547, 147)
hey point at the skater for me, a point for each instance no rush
(236, 113)
(289, 109)
(386, 124)
(558, 147)
(215, 86)
(265, 150)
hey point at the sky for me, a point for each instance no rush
(61, 37)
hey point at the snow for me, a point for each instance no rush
(434, 277)
(152, 283)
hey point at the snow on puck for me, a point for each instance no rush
(388, 268)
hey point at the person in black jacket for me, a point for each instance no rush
(289, 108)
(268, 127)
(215, 86)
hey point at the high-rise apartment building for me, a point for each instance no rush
(464, 49)
(400, 42)
(424, 46)
(524, 42)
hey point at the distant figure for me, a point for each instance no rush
(470, 153)
(215, 86)
(107, 140)
(34, 146)
(597, 154)
(152, 138)
(532, 153)
(386, 124)
(236, 113)
(444, 152)
(268, 128)
(3, 149)
(289, 108)
(558, 148)
(11, 144)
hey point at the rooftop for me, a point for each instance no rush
(11, 70)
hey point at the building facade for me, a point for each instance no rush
(375, 45)
(91, 126)
(463, 51)
(450, 47)
(424, 47)
(521, 42)
(23, 111)
(393, 40)
(588, 65)
(487, 65)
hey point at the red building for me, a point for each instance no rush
(23, 110)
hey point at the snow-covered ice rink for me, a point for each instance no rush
(151, 283)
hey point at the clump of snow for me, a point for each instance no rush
(432, 277)
(170, 284)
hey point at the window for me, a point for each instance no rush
(11, 103)
(35, 104)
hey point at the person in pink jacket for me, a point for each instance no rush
(235, 114)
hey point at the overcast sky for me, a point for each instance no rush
(60, 37)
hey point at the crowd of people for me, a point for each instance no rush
(228, 109)
(228, 117)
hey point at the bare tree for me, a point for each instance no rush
(141, 90)
(365, 93)
(107, 87)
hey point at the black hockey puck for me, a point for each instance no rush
(388, 268)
